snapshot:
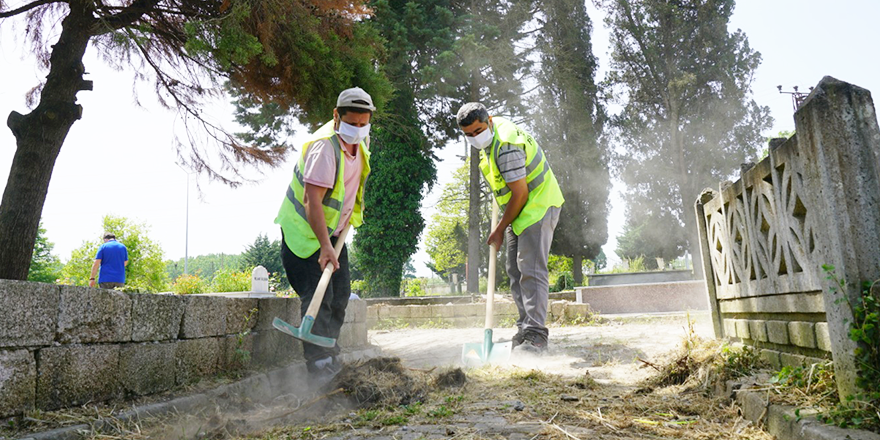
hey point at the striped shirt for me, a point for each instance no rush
(511, 162)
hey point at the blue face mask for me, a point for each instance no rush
(351, 134)
(481, 140)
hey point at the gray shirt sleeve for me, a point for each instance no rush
(511, 162)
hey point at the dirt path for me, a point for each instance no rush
(609, 351)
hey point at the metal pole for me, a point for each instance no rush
(186, 243)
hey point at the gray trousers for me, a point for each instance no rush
(527, 256)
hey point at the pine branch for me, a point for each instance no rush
(28, 7)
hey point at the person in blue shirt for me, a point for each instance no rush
(112, 258)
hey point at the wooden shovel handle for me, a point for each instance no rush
(318, 297)
(493, 254)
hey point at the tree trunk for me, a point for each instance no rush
(39, 136)
(474, 242)
(577, 269)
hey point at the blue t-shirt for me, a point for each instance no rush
(113, 256)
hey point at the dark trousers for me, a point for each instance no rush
(304, 275)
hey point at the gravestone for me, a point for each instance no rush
(260, 280)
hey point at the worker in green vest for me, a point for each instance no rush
(526, 189)
(325, 195)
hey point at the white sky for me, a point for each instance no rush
(119, 158)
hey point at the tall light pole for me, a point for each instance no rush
(186, 242)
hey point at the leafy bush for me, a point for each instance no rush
(227, 280)
(415, 287)
(564, 281)
(188, 284)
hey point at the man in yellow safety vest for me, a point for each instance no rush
(325, 195)
(526, 189)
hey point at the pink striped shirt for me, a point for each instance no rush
(320, 170)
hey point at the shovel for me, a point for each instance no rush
(476, 354)
(304, 332)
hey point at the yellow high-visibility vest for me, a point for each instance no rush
(544, 190)
(298, 235)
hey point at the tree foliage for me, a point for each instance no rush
(45, 267)
(282, 50)
(146, 268)
(446, 239)
(688, 119)
(203, 265)
(568, 120)
(263, 252)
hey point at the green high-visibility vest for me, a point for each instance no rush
(544, 190)
(298, 235)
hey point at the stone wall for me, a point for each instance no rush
(645, 298)
(814, 201)
(464, 315)
(63, 345)
(657, 276)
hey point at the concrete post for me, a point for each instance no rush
(260, 280)
(706, 261)
(840, 153)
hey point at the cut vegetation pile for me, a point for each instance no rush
(382, 382)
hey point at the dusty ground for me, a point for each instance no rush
(587, 387)
(609, 351)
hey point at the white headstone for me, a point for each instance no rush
(260, 280)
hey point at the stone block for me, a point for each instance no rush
(445, 311)
(758, 330)
(356, 311)
(506, 308)
(197, 358)
(346, 340)
(823, 338)
(270, 308)
(777, 332)
(771, 357)
(156, 317)
(273, 348)
(203, 316)
(30, 313)
(93, 315)
(802, 334)
(373, 313)
(577, 312)
(241, 314)
(792, 360)
(395, 312)
(75, 374)
(556, 310)
(469, 310)
(729, 328)
(18, 382)
(147, 368)
(742, 329)
(237, 352)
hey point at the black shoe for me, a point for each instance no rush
(323, 371)
(518, 338)
(534, 343)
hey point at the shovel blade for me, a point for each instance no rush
(304, 332)
(475, 354)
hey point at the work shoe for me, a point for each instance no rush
(517, 339)
(534, 343)
(322, 371)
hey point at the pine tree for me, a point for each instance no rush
(568, 123)
(688, 119)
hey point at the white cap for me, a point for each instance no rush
(355, 97)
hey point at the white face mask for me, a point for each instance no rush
(481, 140)
(351, 134)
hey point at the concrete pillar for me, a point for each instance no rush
(706, 261)
(840, 153)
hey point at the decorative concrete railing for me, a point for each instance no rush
(63, 345)
(814, 200)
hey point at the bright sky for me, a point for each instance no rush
(119, 158)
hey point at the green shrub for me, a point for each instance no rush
(188, 284)
(227, 280)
